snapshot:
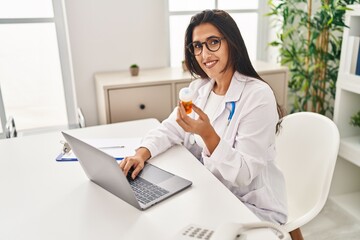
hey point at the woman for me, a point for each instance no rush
(234, 120)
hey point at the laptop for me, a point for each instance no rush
(151, 186)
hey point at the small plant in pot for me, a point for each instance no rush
(355, 119)
(184, 66)
(134, 70)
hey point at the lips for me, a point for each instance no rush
(210, 64)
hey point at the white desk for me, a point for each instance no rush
(43, 199)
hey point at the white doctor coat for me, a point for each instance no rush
(244, 158)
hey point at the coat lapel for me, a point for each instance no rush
(204, 92)
(234, 92)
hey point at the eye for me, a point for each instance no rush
(197, 45)
(213, 41)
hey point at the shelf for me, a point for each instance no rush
(354, 26)
(350, 149)
(349, 202)
(349, 82)
(346, 105)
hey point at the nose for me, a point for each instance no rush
(205, 52)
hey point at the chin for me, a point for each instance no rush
(209, 72)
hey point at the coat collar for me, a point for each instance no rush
(233, 94)
(236, 87)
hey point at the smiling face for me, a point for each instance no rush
(212, 63)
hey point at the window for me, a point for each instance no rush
(35, 73)
(249, 16)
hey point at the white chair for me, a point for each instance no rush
(81, 118)
(307, 148)
(10, 128)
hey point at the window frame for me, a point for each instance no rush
(60, 23)
(262, 28)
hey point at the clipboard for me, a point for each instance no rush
(116, 147)
(62, 158)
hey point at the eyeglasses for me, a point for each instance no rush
(212, 44)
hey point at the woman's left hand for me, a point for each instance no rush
(200, 126)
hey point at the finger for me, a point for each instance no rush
(185, 117)
(136, 171)
(181, 110)
(199, 112)
(181, 122)
(180, 113)
(127, 167)
(122, 163)
(196, 108)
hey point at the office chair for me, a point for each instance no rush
(80, 118)
(10, 128)
(307, 148)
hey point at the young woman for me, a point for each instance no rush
(234, 120)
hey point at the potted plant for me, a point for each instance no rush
(134, 69)
(184, 66)
(309, 44)
(355, 119)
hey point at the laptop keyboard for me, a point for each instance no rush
(145, 191)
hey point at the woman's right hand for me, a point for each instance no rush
(135, 162)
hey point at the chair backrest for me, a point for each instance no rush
(307, 148)
(10, 128)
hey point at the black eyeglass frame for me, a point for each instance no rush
(190, 46)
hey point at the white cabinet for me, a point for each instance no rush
(151, 94)
(347, 103)
(139, 102)
(154, 92)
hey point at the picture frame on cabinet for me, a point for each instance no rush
(357, 69)
(355, 55)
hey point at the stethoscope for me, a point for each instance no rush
(231, 114)
(232, 110)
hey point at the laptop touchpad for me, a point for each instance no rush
(154, 174)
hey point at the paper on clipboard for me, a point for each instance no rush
(116, 147)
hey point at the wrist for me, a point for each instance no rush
(143, 153)
(211, 141)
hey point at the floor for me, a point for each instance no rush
(332, 223)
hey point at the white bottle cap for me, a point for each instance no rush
(186, 94)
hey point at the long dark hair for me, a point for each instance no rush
(238, 55)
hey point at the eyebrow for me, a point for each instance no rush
(212, 36)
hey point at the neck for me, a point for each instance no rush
(222, 83)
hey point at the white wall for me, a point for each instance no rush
(110, 35)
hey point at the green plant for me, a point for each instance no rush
(309, 44)
(134, 66)
(355, 119)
